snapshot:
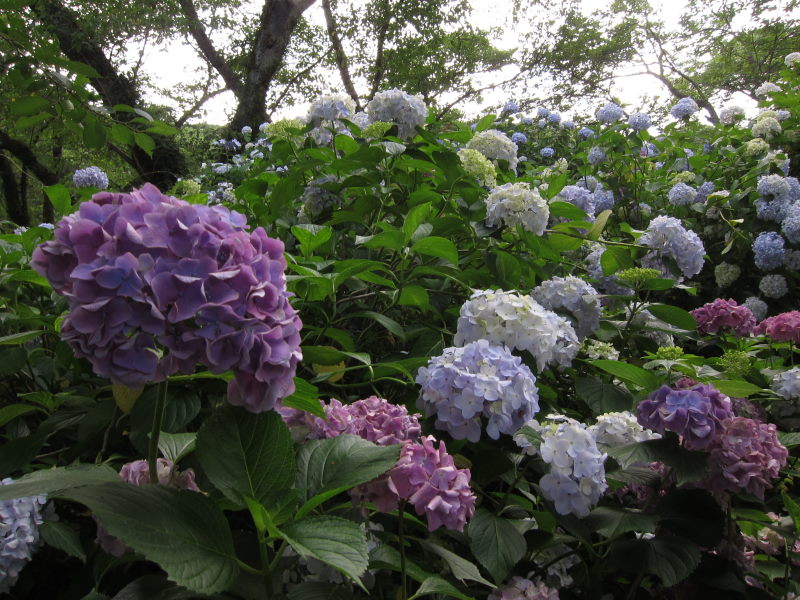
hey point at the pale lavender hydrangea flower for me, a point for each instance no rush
(768, 250)
(616, 429)
(330, 108)
(575, 296)
(639, 121)
(730, 114)
(681, 194)
(791, 223)
(684, 108)
(745, 456)
(580, 197)
(514, 204)
(90, 177)
(519, 322)
(695, 413)
(667, 237)
(609, 113)
(462, 385)
(519, 588)
(395, 106)
(787, 383)
(143, 273)
(773, 286)
(757, 306)
(585, 133)
(596, 155)
(19, 535)
(767, 88)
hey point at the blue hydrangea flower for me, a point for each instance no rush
(19, 535)
(518, 137)
(585, 133)
(648, 149)
(478, 380)
(580, 197)
(768, 250)
(526, 121)
(681, 194)
(542, 112)
(603, 199)
(639, 121)
(609, 113)
(247, 130)
(510, 108)
(667, 237)
(90, 177)
(554, 117)
(684, 108)
(568, 124)
(547, 152)
(542, 123)
(773, 286)
(791, 224)
(703, 191)
(596, 155)
(577, 298)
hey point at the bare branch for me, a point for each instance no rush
(339, 54)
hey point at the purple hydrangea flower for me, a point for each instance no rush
(479, 380)
(138, 473)
(19, 535)
(554, 117)
(694, 413)
(681, 194)
(684, 108)
(585, 133)
(784, 327)
(90, 177)
(724, 314)
(519, 588)
(156, 285)
(745, 456)
(667, 237)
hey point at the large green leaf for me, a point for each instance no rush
(174, 446)
(246, 455)
(55, 481)
(495, 542)
(673, 315)
(671, 558)
(182, 531)
(602, 397)
(335, 541)
(612, 521)
(339, 463)
(688, 465)
(628, 372)
(439, 247)
(736, 387)
(62, 536)
(440, 586)
(305, 397)
(461, 568)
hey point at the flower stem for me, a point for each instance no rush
(403, 579)
(155, 430)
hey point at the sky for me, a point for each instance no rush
(170, 63)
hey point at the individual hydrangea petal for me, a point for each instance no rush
(465, 386)
(518, 322)
(514, 204)
(19, 535)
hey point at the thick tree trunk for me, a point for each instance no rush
(278, 21)
(16, 204)
(167, 162)
(14, 193)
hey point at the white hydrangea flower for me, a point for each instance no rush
(575, 296)
(330, 108)
(520, 323)
(596, 350)
(725, 274)
(767, 88)
(792, 58)
(766, 128)
(730, 114)
(757, 306)
(477, 165)
(517, 204)
(773, 286)
(398, 107)
(756, 147)
(495, 145)
(787, 383)
(667, 237)
(618, 429)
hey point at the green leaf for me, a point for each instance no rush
(390, 324)
(598, 226)
(305, 397)
(335, 541)
(670, 558)
(736, 388)
(174, 446)
(414, 218)
(15, 339)
(386, 239)
(57, 480)
(414, 295)
(439, 247)
(437, 585)
(63, 537)
(613, 522)
(485, 122)
(505, 268)
(340, 463)
(60, 199)
(496, 543)
(628, 372)
(152, 587)
(159, 128)
(615, 258)
(145, 142)
(122, 134)
(673, 315)
(793, 508)
(461, 568)
(567, 210)
(12, 411)
(29, 105)
(19, 452)
(182, 531)
(94, 133)
(602, 397)
(317, 590)
(246, 454)
(790, 440)
(688, 465)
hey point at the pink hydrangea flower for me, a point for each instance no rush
(745, 456)
(519, 588)
(724, 315)
(784, 327)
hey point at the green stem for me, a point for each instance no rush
(247, 568)
(403, 581)
(155, 430)
(265, 565)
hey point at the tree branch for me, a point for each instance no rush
(339, 54)
(380, 68)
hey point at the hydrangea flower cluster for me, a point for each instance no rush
(580, 197)
(577, 477)
(791, 260)
(695, 413)
(518, 322)
(725, 274)
(684, 108)
(517, 204)
(90, 177)
(495, 145)
(518, 137)
(639, 121)
(464, 384)
(791, 223)
(773, 286)
(787, 383)
(477, 165)
(395, 106)
(374, 419)
(757, 306)
(315, 200)
(756, 147)
(596, 155)
(766, 127)
(585, 133)
(768, 250)
(721, 314)
(609, 113)
(19, 535)
(767, 88)
(595, 349)
(144, 272)
(575, 296)
(681, 194)
(616, 429)
(791, 59)
(330, 108)
(138, 473)
(519, 588)
(784, 327)
(547, 152)
(667, 237)
(730, 114)
(745, 456)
